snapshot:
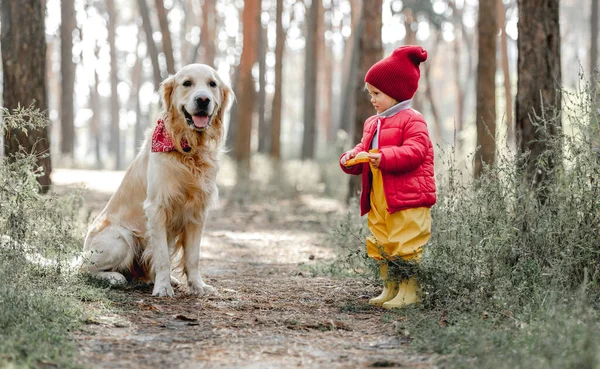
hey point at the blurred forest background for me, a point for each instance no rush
(510, 278)
(297, 65)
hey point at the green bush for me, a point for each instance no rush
(39, 241)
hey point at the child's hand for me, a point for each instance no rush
(349, 155)
(375, 159)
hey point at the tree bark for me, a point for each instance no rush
(95, 121)
(67, 69)
(311, 65)
(347, 106)
(115, 138)
(370, 49)
(538, 94)
(208, 33)
(23, 47)
(150, 44)
(510, 132)
(437, 126)
(486, 86)
(134, 102)
(166, 36)
(250, 24)
(277, 95)
(325, 79)
(410, 25)
(595, 78)
(594, 38)
(263, 137)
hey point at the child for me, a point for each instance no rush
(398, 185)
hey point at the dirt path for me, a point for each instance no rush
(268, 313)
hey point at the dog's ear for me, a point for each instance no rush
(166, 90)
(228, 97)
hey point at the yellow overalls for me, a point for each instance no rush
(402, 234)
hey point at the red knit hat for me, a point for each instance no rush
(398, 75)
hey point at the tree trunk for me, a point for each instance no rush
(538, 91)
(310, 81)
(208, 33)
(461, 88)
(277, 95)
(166, 36)
(460, 91)
(263, 138)
(595, 78)
(150, 44)
(486, 86)
(250, 25)
(347, 106)
(134, 102)
(95, 121)
(325, 79)
(410, 25)
(437, 126)
(594, 38)
(67, 69)
(510, 132)
(370, 49)
(23, 47)
(114, 81)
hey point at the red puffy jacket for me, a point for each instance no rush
(406, 162)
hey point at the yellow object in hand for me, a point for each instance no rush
(361, 157)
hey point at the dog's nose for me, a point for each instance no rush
(202, 102)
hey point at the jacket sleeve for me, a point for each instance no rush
(358, 168)
(411, 154)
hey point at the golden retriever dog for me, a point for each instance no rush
(154, 221)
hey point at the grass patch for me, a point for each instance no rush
(40, 237)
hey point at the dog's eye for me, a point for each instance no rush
(212, 84)
(187, 83)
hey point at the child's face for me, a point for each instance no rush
(381, 102)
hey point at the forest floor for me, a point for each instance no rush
(269, 312)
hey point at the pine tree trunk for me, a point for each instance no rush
(594, 37)
(460, 106)
(23, 47)
(347, 106)
(595, 78)
(166, 36)
(325, 80)
(370, 49)
(263, 137)
(277, 95)
(486, 86)
(437, 126)
(250, 25)
(115, 138)
(510, 131)
(150, 44)
(67, 69)
(410, 25)
(134, 102)
(208, 33)
(538, 94)
(95, 121)
(310, 81)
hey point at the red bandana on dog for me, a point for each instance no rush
(161, 142)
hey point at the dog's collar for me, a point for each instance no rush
(162, 142)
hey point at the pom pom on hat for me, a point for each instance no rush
(398, 75)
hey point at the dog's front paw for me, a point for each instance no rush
(162, 290)
(201, 289)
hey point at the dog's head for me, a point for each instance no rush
(194, 100)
